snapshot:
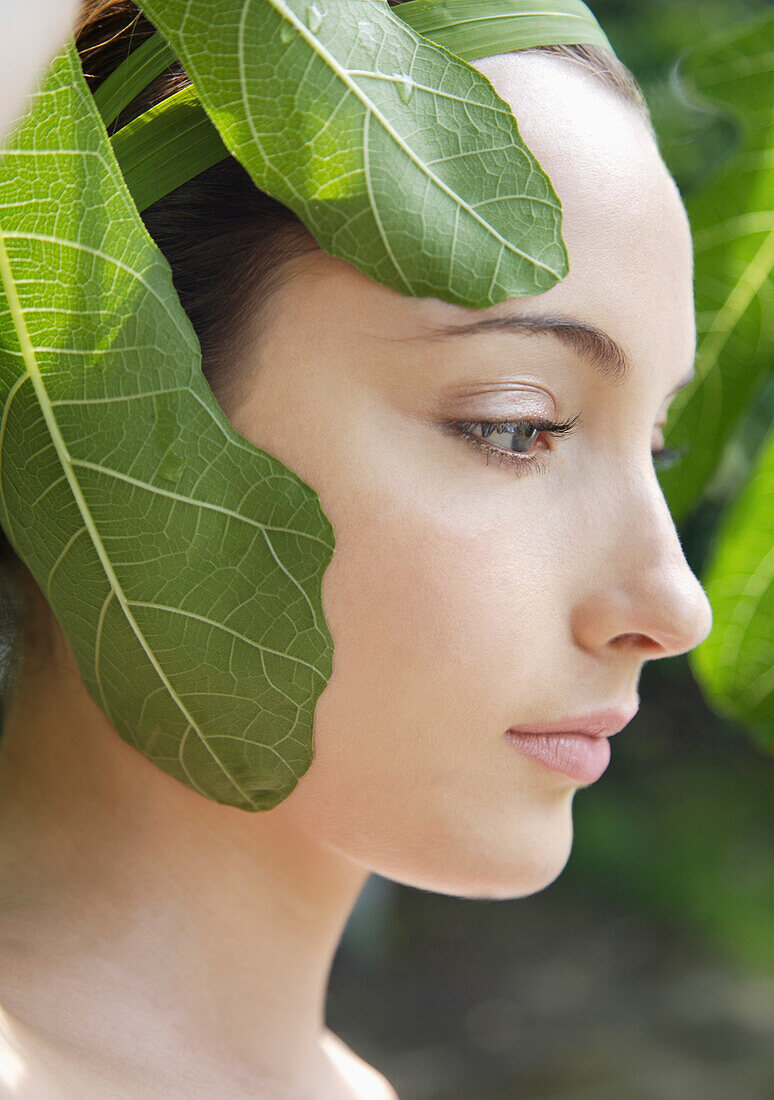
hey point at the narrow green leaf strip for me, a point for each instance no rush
(486, 27)
(130, 77)
(155, 152)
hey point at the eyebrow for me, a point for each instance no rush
(590, 343)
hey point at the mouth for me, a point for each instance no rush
(577, 747)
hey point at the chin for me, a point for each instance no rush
(493, 862)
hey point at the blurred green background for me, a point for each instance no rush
(646, 971)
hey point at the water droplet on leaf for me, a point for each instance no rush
(314, 18)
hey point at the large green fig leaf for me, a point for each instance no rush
(184, 564)
(397, 155)
(735, 664)
(733, 233)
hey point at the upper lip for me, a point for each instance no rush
(599, 723)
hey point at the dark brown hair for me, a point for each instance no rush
(228, 244)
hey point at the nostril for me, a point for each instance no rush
(641, 641)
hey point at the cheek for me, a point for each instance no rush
(412, 775)
(415, 597)
(449, 589)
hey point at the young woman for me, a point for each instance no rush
(489, 576)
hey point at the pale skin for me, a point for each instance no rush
(155, 943)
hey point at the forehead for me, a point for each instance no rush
(627, 234)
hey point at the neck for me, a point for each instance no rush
(161, 920)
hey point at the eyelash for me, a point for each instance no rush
(521, 463)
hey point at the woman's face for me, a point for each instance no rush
(465, 596)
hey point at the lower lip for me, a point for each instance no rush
(577, 755)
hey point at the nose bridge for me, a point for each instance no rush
(651, 527)
(644, 586)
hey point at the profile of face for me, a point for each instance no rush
(469, 594)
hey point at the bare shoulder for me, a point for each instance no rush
(365, 1081)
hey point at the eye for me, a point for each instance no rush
(519, 452)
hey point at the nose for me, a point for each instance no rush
(642, 596)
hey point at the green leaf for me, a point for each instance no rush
(184, 564)
(735, 663)
(733, 231)
(155, 150)
(483, 29)
(334, 107)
